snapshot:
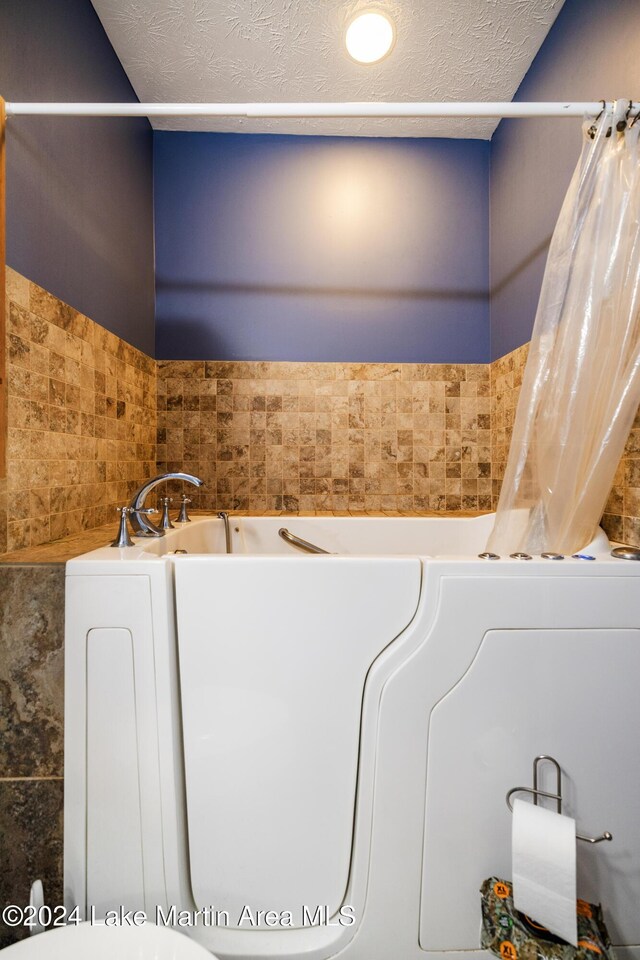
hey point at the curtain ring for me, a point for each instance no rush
(635, 119)
(622, 124)
(593, 129)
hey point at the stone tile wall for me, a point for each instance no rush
(263, 435)
(3, 515)
(506, 380)
(328, 436)
(81, 419)
(621, 518)
(31, 734)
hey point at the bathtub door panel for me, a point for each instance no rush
(572, 694)
(274, 654)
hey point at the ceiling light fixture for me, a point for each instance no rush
(370, 37)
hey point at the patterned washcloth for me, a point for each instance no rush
(513, 936)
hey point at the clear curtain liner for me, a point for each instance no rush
(581, 386)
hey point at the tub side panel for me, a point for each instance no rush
(274, 654)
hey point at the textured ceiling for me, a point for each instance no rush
(292, 50)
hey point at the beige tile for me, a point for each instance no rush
(265, 436)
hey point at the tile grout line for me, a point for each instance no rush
(27, 779)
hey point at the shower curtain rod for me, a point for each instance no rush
(301, 110)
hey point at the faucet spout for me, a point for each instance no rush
(139, 516)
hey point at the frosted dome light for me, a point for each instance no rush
(370, 37)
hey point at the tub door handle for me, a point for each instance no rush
(299, 542)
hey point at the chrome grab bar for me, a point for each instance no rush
(299, 542)
(224, 516)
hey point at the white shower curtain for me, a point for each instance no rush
(581, 387)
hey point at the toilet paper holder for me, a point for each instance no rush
(536, 792)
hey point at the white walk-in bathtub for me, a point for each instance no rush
(308, 756)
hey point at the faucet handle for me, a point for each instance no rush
(123, 539)
(165, 522)
(146, 510)
(183, 516)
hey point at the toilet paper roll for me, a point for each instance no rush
(543, 850)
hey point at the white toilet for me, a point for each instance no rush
(99, 942)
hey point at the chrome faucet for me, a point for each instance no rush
(165, 522)
(183, 516)
(139, 515)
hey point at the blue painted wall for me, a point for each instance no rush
(592, 51)
(79, 192)
(292, 247)
(321, 248)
